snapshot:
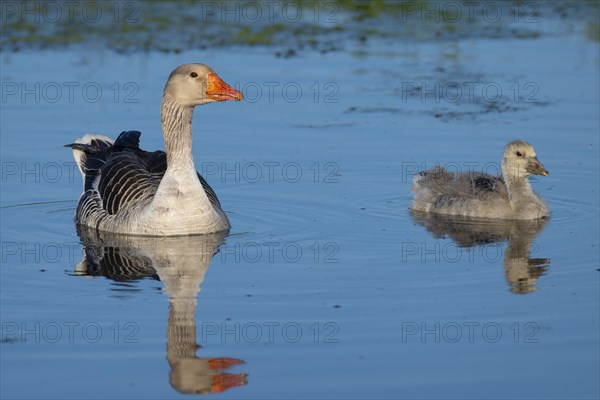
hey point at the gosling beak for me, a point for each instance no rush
(535, 167)
(220, 91)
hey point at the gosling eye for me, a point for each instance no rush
(519, 154)
(194, 75)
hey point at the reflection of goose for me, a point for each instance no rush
(481, 195)
(521, 271)
(180, 263)
(128, 190)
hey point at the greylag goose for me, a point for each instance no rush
(131, 191)
(480, 195)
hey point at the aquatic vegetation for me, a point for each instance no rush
(285, 25)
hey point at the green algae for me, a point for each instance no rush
(287, 26)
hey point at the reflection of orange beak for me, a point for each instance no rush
(223, 362)
(223, 382)
(220, 91)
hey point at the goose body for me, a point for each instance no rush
(131, 191)
(480, 195)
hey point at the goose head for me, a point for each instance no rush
(520, 161)
(196, 84)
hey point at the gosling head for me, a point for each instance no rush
(520, 161)
(197, 84)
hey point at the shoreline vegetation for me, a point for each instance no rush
(286, 27)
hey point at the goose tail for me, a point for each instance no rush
(86, 146)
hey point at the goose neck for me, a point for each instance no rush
(176, 120)
(518, 186)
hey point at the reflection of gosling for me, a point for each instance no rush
(522, 272)
(473, 194)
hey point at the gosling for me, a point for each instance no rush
(479, 195)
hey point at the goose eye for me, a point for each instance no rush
(194, 75)
(519, 154)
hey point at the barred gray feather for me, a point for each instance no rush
(119, 178)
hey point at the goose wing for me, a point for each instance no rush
(121, 175)
(116, 177)
(484, 183)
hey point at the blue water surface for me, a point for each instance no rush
(326, 286)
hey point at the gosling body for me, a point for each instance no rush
(480, 195)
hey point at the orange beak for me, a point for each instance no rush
(220, 91)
